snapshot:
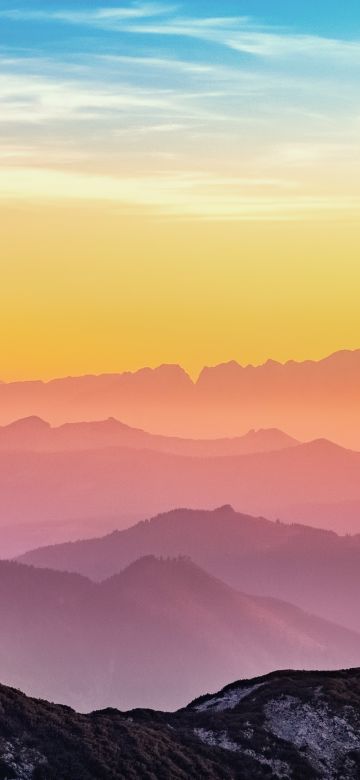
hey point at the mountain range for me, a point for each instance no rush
(314, 569)
(308, 400)
(155, 635)
(46, 488)
(299, 725)
(36, 435)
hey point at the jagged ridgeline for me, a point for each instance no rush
(299, 725)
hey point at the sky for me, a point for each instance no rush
(179, 183)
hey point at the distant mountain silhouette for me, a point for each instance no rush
(314, 569)
(302, 725)
(32, 433)
(308, 400)
(55, 487)
(154, 635)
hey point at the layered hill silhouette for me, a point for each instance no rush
(45, 488)
(34, 434)
(314, 569)
(308, 400)
(155, 635)
(287, 724)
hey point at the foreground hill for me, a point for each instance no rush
(34, 434)
(317, 570)
(53, 487)
(155, 635)
(309, 400)
(298, 725)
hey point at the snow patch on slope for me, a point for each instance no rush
(228, 700)
(325, 737)
(216, 740)
(280, 769)
(20, 759)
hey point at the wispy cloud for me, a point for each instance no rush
(167, 63)
(243, 35)
(254, 100)
(29, 98)
(94, 17)
(239, 33)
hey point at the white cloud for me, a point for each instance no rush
(97, 17)
(28, 98)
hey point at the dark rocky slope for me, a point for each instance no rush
(299, 725)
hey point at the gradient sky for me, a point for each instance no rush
(179, 182)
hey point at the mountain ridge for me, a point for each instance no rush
(157, 634)
(35, 434)
(316, 569)
(176, 367)
(303, 725)
(165, 400)
(52, 487)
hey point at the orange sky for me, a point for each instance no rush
(88, 289)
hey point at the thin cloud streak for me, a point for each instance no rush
(247, 39)
(98, 17)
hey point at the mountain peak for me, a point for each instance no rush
(225, 509)
(32, 422)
